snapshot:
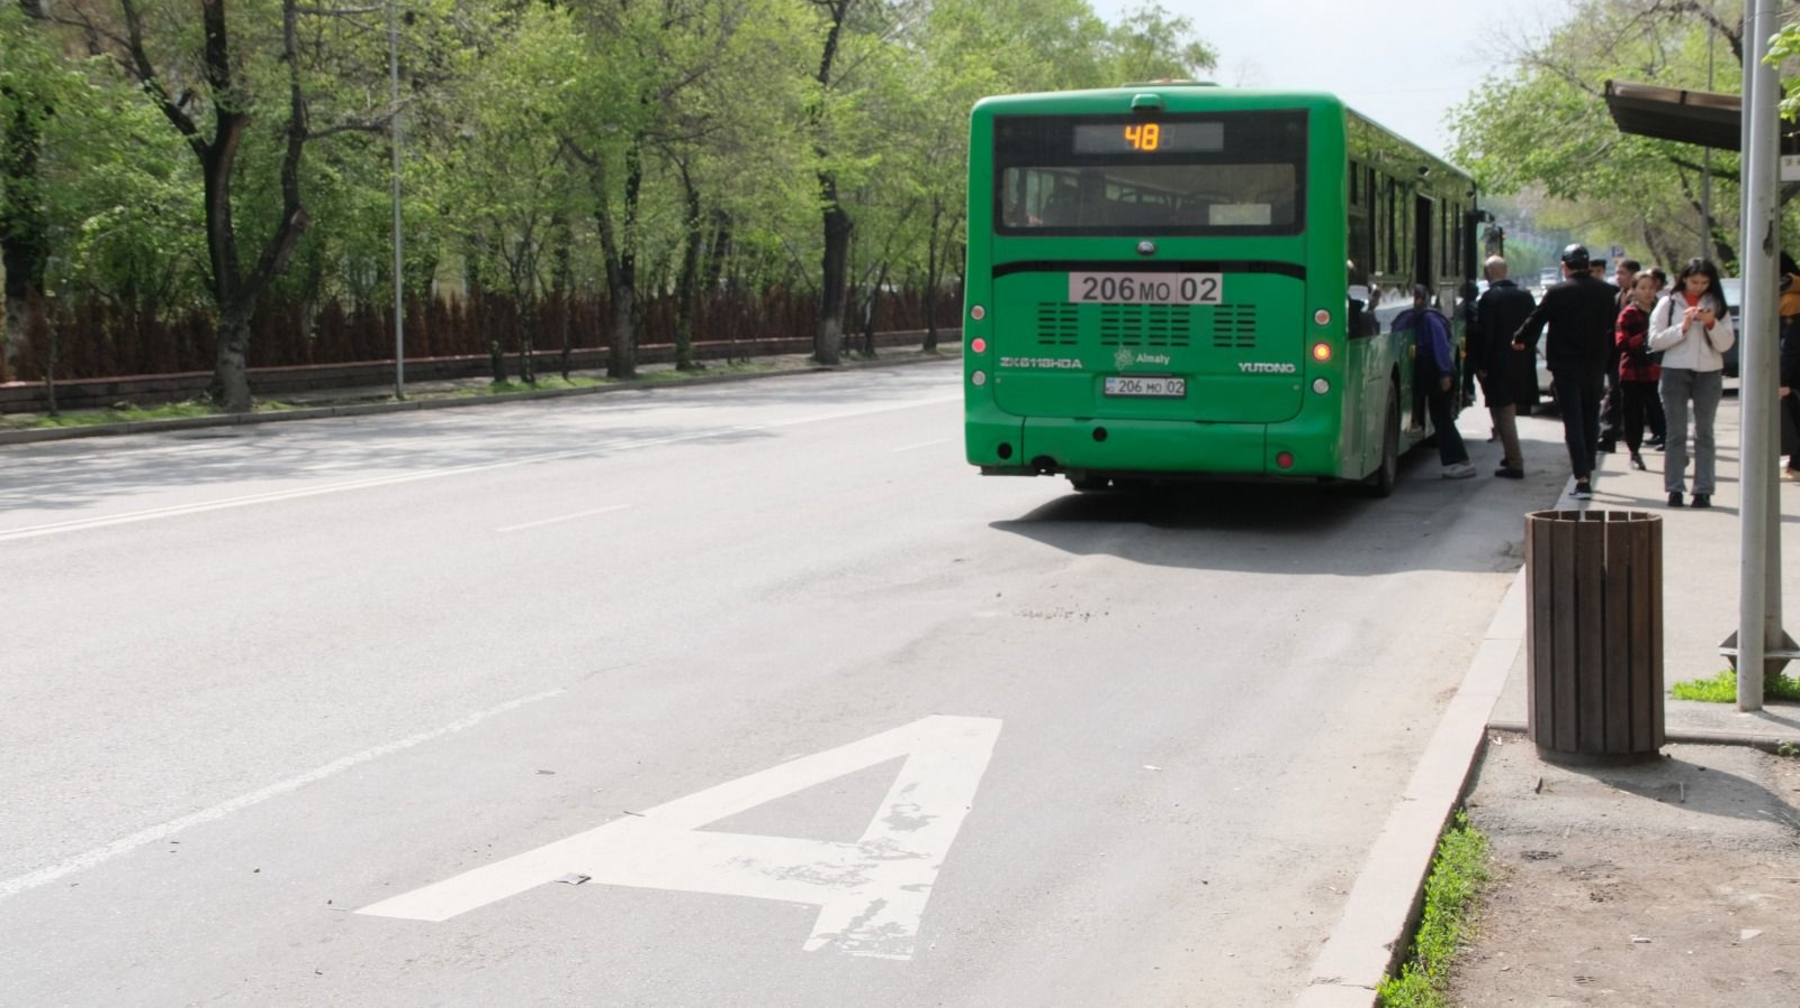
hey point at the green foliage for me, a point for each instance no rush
(714, 97)
(1722, 688)
(1545, 128)
(1457, 874)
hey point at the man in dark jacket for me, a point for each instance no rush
(1580, 314)
(1504, 372)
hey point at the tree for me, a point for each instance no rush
(27, 80)
(1546, 126)
(218, 113)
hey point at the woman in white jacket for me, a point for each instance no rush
(1692, 328)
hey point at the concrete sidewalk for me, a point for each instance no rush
(320, 404)
(1480, 755)
(1701, 551)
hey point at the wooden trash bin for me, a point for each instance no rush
(1594, 683)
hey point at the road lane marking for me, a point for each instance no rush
(921, 444)
(125, 845)
(623, 444)
(871, 894)
(563, 518)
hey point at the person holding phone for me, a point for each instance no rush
(1692, 328)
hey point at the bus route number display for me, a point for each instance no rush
(1149, 138)
(1146, 288)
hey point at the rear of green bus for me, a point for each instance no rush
(1156, 288)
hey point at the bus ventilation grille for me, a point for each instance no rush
(1146, 325)
(1057, 324)
(1234, 327)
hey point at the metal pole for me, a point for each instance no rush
(1756, 354)
(1706, 162)
(394, 130)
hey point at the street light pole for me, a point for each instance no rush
(1757, 633)
(1706, 251)
(394, 143)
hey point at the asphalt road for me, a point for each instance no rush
(752, 694)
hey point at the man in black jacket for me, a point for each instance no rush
(1580, 315)
(1504, 372)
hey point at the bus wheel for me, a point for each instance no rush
(1380, 483)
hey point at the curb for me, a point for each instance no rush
(370, 408)
(1370, 936)
(1692, 736)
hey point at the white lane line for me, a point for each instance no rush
(921, 444)
(125, 845)
(104, 521)
(563, 518)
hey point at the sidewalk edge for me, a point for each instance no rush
(1370, 936)
(34, 435)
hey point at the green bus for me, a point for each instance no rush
(1157, 285)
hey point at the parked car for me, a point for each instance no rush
(1734, 303)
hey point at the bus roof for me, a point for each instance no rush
(1116, 100)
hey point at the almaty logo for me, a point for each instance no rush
(1123, 358)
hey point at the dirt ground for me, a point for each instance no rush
(1674, 883)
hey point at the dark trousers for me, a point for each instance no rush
(1442, 403)
(1611, 403)
(1636, 400)
(1578, 396)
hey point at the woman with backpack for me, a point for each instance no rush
(1692, 328)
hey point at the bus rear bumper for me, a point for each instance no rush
(1091, 448)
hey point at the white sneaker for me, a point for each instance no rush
(1461, 470)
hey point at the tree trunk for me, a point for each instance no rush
(230, 388)
(931, 280)
(24, 229)
(562, 278)
(618, 246)
(835, 289)
(527, 339)
(689, 278)
(835, 272)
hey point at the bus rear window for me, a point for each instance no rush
(1221, 173)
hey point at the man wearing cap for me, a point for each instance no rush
(1579, 312)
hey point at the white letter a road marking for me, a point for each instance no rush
(871, 893)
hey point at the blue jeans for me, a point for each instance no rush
(1703, 388)
(1578, 397)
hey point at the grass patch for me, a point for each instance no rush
(123, 414)
(544, 383)
(1456, 876)
(1722, 688)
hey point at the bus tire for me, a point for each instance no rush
(1381, 482)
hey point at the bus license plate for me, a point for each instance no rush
(1155, 388)
(1146, 288)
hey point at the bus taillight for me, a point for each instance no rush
(1321, 352)
(1285, 460)
(1322, 317)
(978, 345)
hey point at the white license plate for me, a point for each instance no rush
(1155, 388)
(1146, 288)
